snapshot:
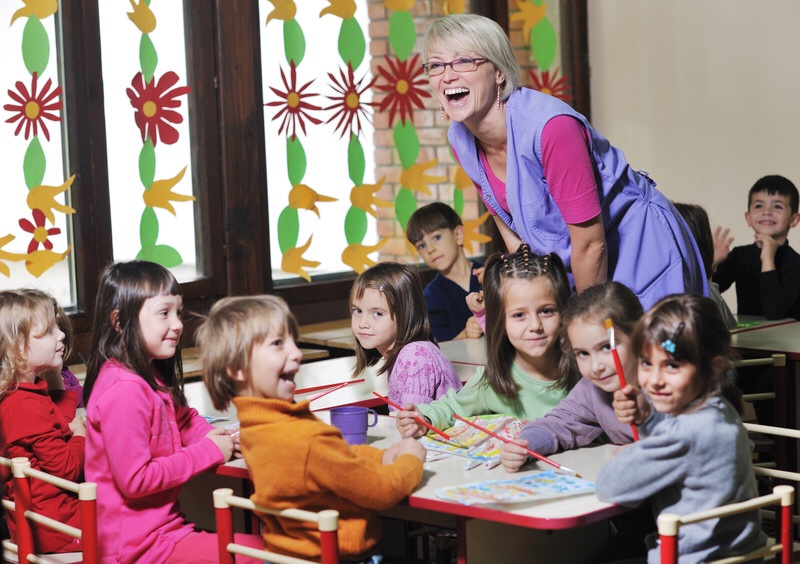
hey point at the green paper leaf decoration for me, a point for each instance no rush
(35, 46)
(402, 35)
(295, 161)
(407, 142)
(355, 225)
(458, 201)
(294, 42)
(404, 205)
(536, 2)
(352, 45)
(148, 58)
(288, 228)
(34, 164)
(147, 164)
(355, 160)
(148, 228)
(164, 255)
(543, 44)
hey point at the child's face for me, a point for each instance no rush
(161, 325)
(273, 365)
(770, 215)
(532, 318)
(372, 322)
(669, 384)
(45, 350)
(592, 350)
(442, 248)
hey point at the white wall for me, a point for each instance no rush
(702, 94)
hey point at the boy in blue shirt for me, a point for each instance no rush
(436, 231)
(766, 272)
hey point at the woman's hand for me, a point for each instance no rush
(406, 424)
(513, 456)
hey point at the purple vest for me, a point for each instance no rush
(650, 247)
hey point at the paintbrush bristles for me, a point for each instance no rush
(610, 326)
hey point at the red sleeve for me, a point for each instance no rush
(568, 169)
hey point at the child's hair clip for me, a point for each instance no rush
(669, 344)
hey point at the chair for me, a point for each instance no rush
(327, 522)
(24, 548)
(669, 525)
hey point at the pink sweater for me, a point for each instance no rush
(140, 449)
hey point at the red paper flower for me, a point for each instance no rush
(154, 106)
(556, 87)
(404, 79)
(40, 233)
(32, 108)
(293, 105)
(348, 104)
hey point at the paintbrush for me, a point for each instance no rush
(419, 420)
(618, 363)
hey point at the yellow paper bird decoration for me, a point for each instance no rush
(530, 14)
(40, 8)
(294, 263)
(160, 193)
(345, 9)
(461, 180)
(399, 5)
(302, 197)
(5, 255)
(472, 234)
(453, 7)
(414, 177)
(284, 10)
(40, 261)
(363, 197)
(142, 16)
(44, 198)
(355, 255)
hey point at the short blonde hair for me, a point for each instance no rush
(227, 337)
(479, 35)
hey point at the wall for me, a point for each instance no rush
(702, 94)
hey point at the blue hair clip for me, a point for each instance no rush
(669, 344)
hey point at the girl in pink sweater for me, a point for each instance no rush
(143, 441)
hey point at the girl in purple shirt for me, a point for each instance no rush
(390, 321)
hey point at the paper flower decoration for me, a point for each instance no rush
(38, 262)
(284, 10)
(142, 16)
(348, 105)
(530, 14)
(405, 87)
(363, 197)
(41, 9)
(302, 197)
(414, 177)
(355, 255)
(154, 103)
(345, 9)
(294, 107)
(554, 85)
(294, 263)
(33, 108)
(40, 233)
(160, 193)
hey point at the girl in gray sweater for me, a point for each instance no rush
(694, 453)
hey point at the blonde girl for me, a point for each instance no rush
(526, 374)
(143, 441)
(694, 453)
(390, 322)
(587, 413)
(35, 422)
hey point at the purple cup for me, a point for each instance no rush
(353, 421)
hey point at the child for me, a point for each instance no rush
(143, 442)
(387, 314)
(437, 233)
(694, 453)
(767, 272)
(35, 423)
(697, 220)
(526, 375)
(250, 357)
(586, 413)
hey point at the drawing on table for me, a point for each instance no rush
(531, 487)
(470, 442)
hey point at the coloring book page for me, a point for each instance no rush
(473, 443)
(532, 487)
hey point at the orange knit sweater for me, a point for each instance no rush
(296, 460)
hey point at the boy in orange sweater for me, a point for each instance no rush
(295, 460)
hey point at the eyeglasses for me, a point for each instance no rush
(464, 64)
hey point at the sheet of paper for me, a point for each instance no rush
(530, 487)
(470, 442)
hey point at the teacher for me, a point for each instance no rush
(548, 178)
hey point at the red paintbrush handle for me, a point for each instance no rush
(622, 384)
(419, 420)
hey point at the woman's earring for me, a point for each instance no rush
(441, 112)
(498, 96)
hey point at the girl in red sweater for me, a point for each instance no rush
(35, 422)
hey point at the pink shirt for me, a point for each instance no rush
(421, 374)
(140, 449)
(567, 168)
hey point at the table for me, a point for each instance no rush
(465, 351)
(334, 334)
(753, 322)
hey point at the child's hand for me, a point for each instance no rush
(768, 246)
(237, 444)
(475, 302)
(478, 273)
(78, 427)
(630, 406)
(513, 456)
(406, 446)
(722, 245)
(473, 329)
(223, 441)
(406, 424)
